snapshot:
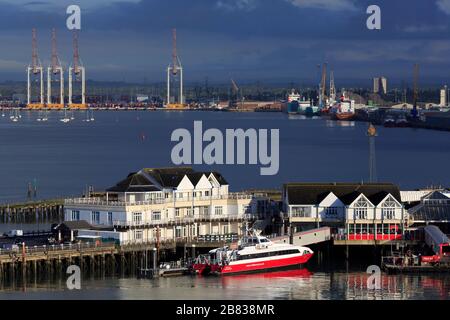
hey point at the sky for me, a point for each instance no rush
(247, 40)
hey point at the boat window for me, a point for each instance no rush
(263, 240)
(267, 254)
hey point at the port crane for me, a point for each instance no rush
(237, 94)
(414, 111)
(322, 86)
(53, 70)
(332, 89)
(77, 72)
(35, 69)
(175, 73)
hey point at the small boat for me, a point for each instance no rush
(253, 254)
(401, 122)
(389, 122)
(65, 119)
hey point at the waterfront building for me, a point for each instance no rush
(166, 204)
(354, 211)
(431, 208)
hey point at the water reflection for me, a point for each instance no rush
(301, 284)
(341, 123)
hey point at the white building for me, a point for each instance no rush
(166, 204)
(356, 211)
(380, 85)
(443, 100)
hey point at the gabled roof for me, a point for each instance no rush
(314, 193)
(168, 177)
(73, 225)
(161, 178)
(134, 182)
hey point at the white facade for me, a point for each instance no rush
(333, 209)
(194, 207)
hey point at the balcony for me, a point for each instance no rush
(183, 220)
(121, 203)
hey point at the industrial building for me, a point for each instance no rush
(380, 85)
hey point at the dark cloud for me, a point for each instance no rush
(247, 39)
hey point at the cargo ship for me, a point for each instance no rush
(344, 109)
(295, 104)
(253, 254)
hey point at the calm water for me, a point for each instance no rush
(62, 159)
(303, 285)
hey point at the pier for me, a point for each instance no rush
(30, 212)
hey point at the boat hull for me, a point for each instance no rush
(344, 115)
(265, 265)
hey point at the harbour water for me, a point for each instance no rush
(62, 159)
(306, 285)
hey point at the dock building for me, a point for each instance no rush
(166, 204)
(353, 211)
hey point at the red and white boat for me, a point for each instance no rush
(344, 109)
(253, 254)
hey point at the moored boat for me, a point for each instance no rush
(344, 109)
(254, 254)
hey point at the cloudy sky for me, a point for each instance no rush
(247, 40)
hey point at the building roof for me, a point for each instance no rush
(134, 182)
(168, 177)
(162, 178)
(73, 225)
(314, 193)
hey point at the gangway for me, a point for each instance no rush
(308, 237)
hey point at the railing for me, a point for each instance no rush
(29, 250)
(185, 219)
(121, 203)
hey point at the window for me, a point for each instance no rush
(388, 208)
(156, 215)
(301, 212)
(218, 211)
(180, 195)
(177, 232)
(75, 215)
(95, 217)
(361, 209)
(177, 212)
(331, 211)
(207, 193)
(138, 235)
(110, 218)
(190, 211)
(137, 217)
(204, 211)
(360, 213)
(166, 195)
(225, 229)
(388, 213)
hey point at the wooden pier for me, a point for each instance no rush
(32, 212)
